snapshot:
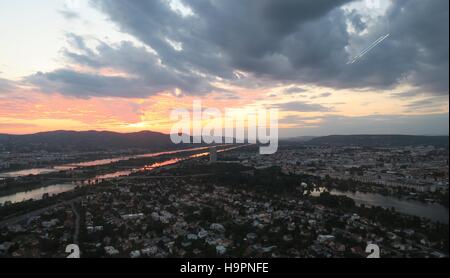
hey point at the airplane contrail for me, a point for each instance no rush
(368, 49)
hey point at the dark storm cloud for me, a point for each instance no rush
(144, 75)
(416, 51)
(223, 36)
(275, 42)
(424, 25)
(300, 41)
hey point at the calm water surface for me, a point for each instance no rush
(99, 162)
(37, 194)
(435, 212)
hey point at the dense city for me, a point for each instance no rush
(238, 203)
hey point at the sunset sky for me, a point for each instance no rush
(124, 65)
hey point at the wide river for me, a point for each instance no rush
(37, 194)
(40, 171)
(434, 212)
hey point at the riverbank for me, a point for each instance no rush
(434, 212)
(90, 173)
